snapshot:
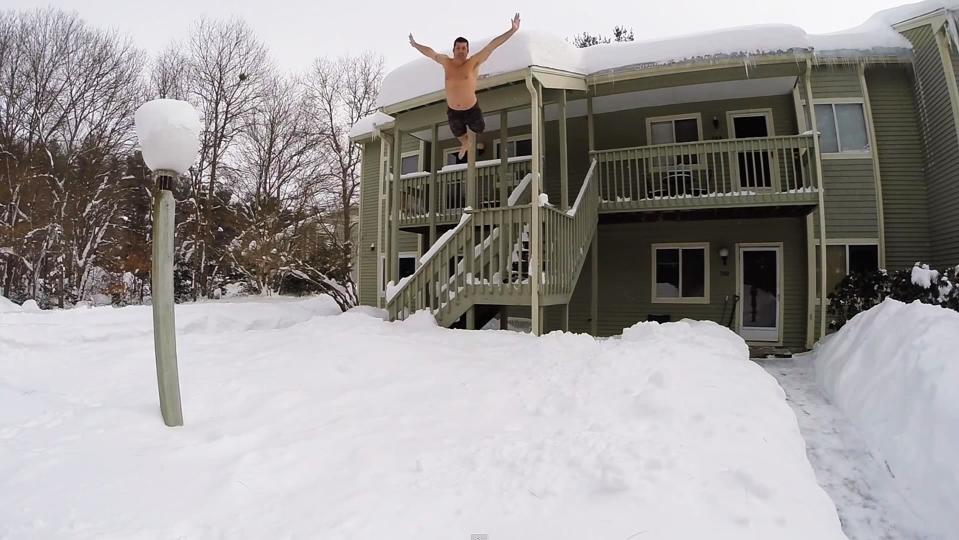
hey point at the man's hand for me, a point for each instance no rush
(412, 41)
(515, 22)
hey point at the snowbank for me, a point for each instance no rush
(345, 426)
(8, 306)
(894, 371)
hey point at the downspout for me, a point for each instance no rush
(534, 252)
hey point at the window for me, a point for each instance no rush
(669, 130)
(518, 146)
(674, 129)
(843, 128)
(407, 262)
(407, 265)
(845, 259)
(451, 156)
(680, 273)
(410, 163)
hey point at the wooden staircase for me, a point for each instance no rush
(485, 260)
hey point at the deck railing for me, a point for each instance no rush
(450, 182)
(567, 236)
(485, 258)
(733, 167)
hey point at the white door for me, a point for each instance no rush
(760, 292)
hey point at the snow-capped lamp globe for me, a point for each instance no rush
(169, 134)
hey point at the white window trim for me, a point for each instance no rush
(843, 242)
(447, 152)
(680, 300)
(848, 154)
(381, 265)
(419, 159)
(767, 112)
(523, 137)
(672, 118)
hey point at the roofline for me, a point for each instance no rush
(483, 83)
(933, 17)
(637, 72)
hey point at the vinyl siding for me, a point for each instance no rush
(835, 82)
(850, 199)
(625, 273)
(942, 147)
(899, 144)
(369, 185)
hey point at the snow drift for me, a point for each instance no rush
(894, 370)
(305, 423)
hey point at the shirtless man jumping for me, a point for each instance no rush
(463, 109)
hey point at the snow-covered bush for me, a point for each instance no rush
(860, 291)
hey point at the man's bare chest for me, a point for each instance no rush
(460, 74)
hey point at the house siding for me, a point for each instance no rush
(850, 199)
(941, 145)
(366, 257)
(899, 146)
(835, 82)
(625, 266)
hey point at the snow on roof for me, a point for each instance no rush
(366, 125)
(898, 14)
(530, 48)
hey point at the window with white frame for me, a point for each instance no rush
(680, 273)
(520, 145)
(410, 162)
(845, 259)
(842, 127)
(451, 156)
(673, 129)
(407, 266)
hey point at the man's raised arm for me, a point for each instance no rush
(427, 52)
(484, 53)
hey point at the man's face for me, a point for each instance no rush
(461, 50)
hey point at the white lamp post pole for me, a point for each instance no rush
(164, 333)
(169, 134)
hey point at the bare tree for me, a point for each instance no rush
(341, 92)
(170, 74)
(227, 64)
(69, 92)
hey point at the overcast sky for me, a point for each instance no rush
(297, 31)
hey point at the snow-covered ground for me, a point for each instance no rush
(301, 422)
(871, 505)
(894, 371)
(877, 403)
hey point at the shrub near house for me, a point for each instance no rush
(858, 292)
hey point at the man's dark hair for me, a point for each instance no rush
(461, 39)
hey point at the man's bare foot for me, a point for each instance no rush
(463, 148)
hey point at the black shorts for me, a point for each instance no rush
(470, 118)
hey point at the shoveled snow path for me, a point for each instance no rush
(870, 504)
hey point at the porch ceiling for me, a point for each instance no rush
(690, 93)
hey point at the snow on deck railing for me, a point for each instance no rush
(393, 289)
(484, 163)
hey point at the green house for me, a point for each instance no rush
(683, 178)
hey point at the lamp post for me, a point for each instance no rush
(169, 135)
